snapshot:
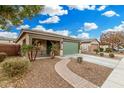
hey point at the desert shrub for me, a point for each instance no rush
(101, 54)
(111, 55)
(108, 50)
(2, 56)
(15, 66)
(101, 49)
(96, 50)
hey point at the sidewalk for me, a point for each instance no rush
(116, 78)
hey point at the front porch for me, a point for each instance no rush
(45, 47)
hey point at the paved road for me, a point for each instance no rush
(112, 63)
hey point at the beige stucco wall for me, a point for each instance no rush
(89, 47)
(26, 36)
(84, 47)
(104, 47)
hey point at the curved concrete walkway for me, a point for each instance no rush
(72, 78)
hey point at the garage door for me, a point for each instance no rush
(70, 48)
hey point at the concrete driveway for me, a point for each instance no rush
(108, 62)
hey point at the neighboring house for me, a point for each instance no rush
(67, 45)
(4, 40)
(104, 46)
(88, 45)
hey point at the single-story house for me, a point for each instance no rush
(88, 45)
(67, 45)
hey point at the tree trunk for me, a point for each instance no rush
(31, 54)
(29, 57)
(52, 54)
(35, 55)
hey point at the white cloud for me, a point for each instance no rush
(116, 28)
(53, 19)
(101, 8)
(83, 35)
(90, 26)
(110, 13)
(82, 7)
(23, 27)
(39, 27)
(61, 32)
(53, 10)
(80, 30)
(8, 34)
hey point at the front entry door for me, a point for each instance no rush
(49, 46)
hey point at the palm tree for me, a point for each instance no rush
(31, 51)
(27, 50)
(54, 49)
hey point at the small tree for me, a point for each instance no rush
(54, 49)
(27, 49)
(113, 38)
(31, 51)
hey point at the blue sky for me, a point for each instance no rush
(76, 21)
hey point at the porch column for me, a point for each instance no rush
(80, 47)
(27, 39)
(61, 47)
(30, 40)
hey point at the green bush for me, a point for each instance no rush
(15, 66)
(111, 55)
(101, 49)
(108, 50)
(101, 54)
(2, 56)
(96, 50)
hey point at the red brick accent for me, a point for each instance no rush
(10, 49)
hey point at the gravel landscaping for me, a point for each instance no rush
(94, 73)
(42, 75)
